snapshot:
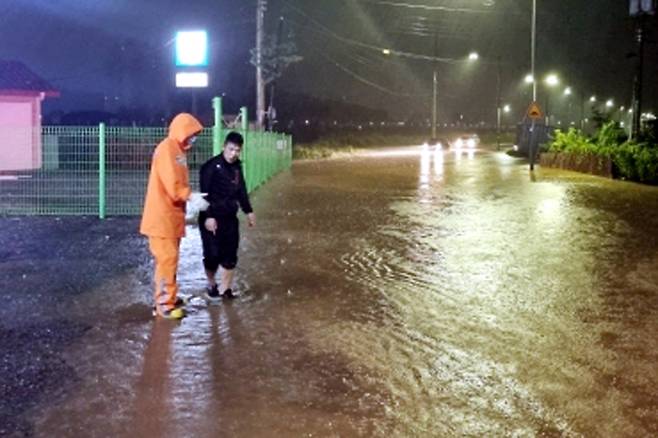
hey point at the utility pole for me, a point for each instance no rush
(498, 108)
(434, 98)
(581, 94)
(533, 50)
(260, 82)
(533, 45)
(639, 9)
(435, 91)
(637, 84)
(270, 108)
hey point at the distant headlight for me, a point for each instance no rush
(459, 143)
(470, 143)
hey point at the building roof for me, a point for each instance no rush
(17, 79)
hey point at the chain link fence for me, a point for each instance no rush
(103, 170)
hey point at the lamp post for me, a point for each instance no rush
(435, 87)
(473, 56)
(434, 102)
(533, 45)
(533, 39)
(506, 110)
(591, 100)
(567, 94)
(551, 81)
(498, 109)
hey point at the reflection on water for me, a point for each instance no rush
(493, 295)
(408, 293)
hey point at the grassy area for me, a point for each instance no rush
(489, 138)
(350, 142)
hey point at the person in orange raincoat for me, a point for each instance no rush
(163, 219)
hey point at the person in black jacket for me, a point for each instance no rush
(223, 181)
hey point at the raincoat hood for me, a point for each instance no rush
(183, 126)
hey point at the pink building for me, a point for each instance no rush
(21, 94)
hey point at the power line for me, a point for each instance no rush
(426, 7)
(328, 32)
(366, 81)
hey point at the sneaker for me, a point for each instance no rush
(228, 294)
(180, 302)
(175, 313)
(212, 294)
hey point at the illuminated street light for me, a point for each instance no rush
(609, 103)
(473, 56)
(386, 52)
(592, 99)
(567, 91)
(552, 80)
(507, 108)
(529, 79)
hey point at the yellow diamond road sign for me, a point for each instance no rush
(534, 112)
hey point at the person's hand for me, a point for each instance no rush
(251, 219)
(196, 203)
(211, 224)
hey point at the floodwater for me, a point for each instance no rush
(405, 292)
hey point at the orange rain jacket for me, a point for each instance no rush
(168, 186)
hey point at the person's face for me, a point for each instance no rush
(231, 152)
(190, 142)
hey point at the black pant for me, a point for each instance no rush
(220, 248)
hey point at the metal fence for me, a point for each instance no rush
(104, 170)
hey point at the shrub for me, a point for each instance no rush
(631, 160)
(610, 135)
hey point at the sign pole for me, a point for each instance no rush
(534, 113)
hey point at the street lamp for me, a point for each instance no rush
(473, 56)
(529, 80)
(507, 108)
(551, 80)
(567, 94)
(610, 103)
(533, 47)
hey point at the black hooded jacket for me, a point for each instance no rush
(225, 185)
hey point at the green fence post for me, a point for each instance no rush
(246, 166)
(217, 128)
(101, 171)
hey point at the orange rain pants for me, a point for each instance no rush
(163, 220)
(165, 253)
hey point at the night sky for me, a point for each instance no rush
(111, 53)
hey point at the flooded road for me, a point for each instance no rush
(404, 293)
